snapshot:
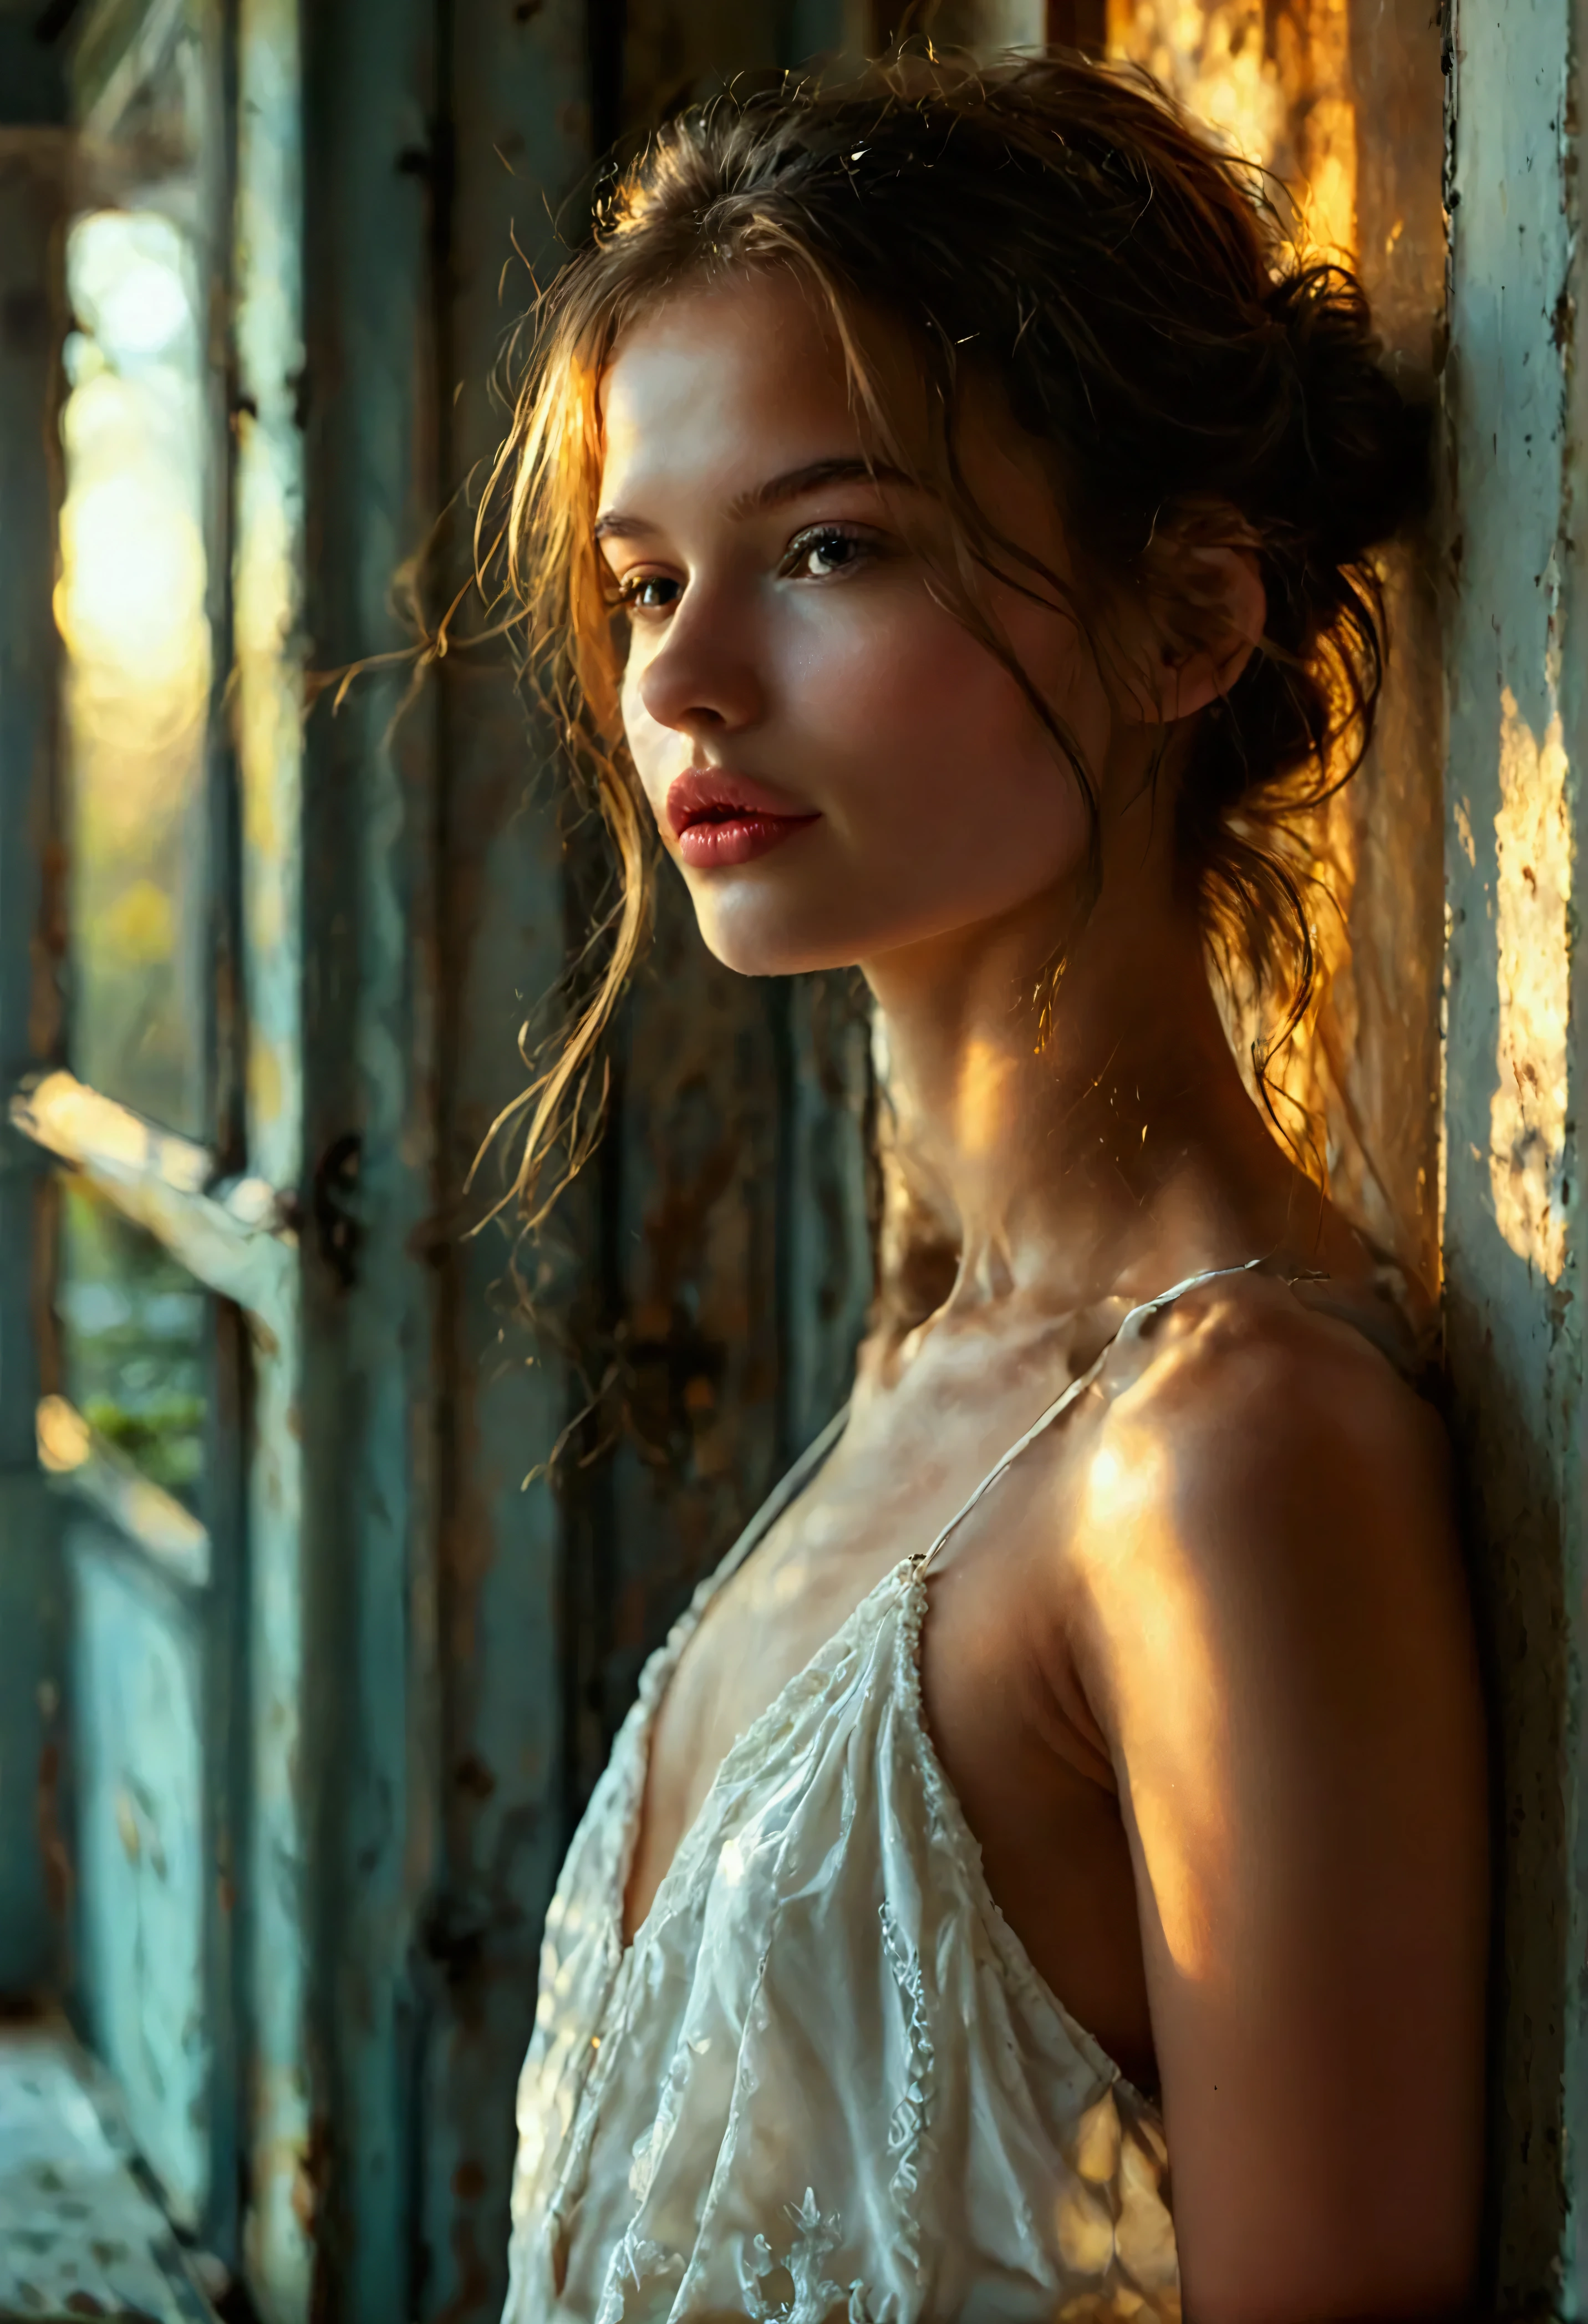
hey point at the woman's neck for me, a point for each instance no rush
(1119, 1154)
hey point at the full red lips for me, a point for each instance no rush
(720, 818)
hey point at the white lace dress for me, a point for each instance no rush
(825, 2082)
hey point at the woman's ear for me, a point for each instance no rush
(1208, 632)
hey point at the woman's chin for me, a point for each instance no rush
(751, 951)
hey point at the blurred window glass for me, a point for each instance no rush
(135, 1338)
(132, 608)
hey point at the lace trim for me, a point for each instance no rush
(830, 1671)
(906, 2131)
(813, 2296)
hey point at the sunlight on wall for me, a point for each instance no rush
(1278, 89)
(1527, 1113)
(1314, 70)
(1278, 82)
(1213, 59)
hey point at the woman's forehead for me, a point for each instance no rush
(752, 337)
(729, 382)
(736, 373)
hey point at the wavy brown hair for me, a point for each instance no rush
(1059, 228)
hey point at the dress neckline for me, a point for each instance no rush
(911, 1570)
(908, 1581)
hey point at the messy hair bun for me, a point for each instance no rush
(1059, 226)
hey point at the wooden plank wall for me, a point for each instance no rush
(375, 148)
(519, 99)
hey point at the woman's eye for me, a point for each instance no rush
(815, 554)
(646, 592)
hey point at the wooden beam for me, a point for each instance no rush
(234, 1236)
(279, 2137)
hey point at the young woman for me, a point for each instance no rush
(944, 514)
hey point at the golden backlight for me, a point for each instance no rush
(1347, 117)
(1275, 82)
(131, 607)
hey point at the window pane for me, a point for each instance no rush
(132, 606)
(134, 1334)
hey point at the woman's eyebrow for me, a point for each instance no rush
(792, 485)
(847, 469)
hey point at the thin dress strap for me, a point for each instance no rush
(1062, 1403)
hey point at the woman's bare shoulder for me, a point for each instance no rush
(1267, 1371)
(1273, 1636)
(1264, 1455)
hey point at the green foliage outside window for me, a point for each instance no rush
(134, 1328)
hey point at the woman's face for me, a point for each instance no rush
(837, 766)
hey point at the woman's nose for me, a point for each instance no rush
(702, 678)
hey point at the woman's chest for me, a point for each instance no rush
(1035, 1783)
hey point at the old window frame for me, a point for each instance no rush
(232, 1232)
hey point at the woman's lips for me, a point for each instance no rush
(720, 818)
(737, 838)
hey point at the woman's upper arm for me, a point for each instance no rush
(1279, 1650)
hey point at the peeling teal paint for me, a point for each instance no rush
(143, 1859)
(1514, 1071)
(268, 570)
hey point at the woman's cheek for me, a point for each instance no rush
(928, 713)
(896, 688)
